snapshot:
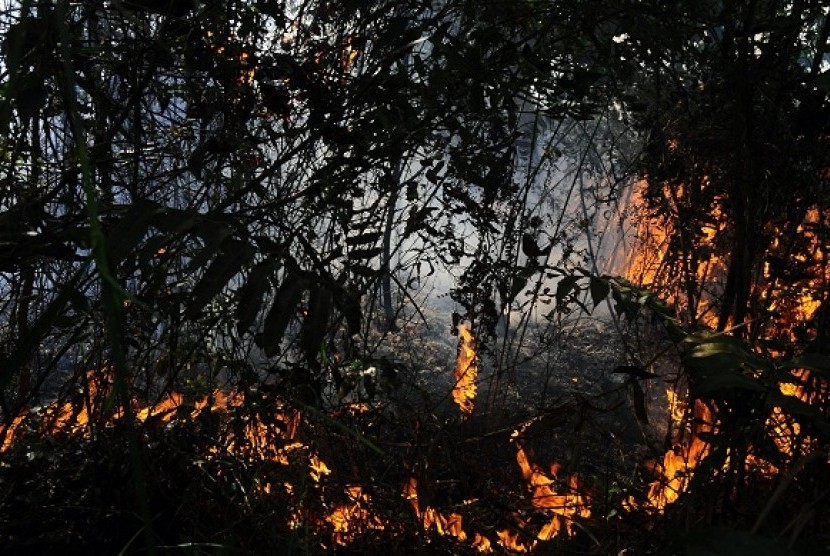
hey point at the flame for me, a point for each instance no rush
(563, 509)
(318, 468)
(783, 299)
(510, 540)
(349, 54)
(445, 525)
(351, 520)
(254, 440)
(674, 473)
(246, 72)
(650, 265)
(466, 371)
(482, 544)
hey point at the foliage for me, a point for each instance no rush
(253, 194)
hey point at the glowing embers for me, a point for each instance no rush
(674, 473)
(562, 501)
(466, 371)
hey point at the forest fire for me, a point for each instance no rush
(688, 269)
(654, 266)
(466, 371)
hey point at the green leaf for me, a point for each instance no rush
(718, 364)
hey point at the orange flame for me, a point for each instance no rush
(649, 264)
(563, 509)
(466, 371)
(675, 472)
(350, 520)
(795, 267)
(449, 525)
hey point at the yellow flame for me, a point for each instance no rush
(350, 520)
(446, 525)
(563, 509)
(466, 371)
(674, 473)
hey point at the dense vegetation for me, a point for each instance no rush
(223, 224)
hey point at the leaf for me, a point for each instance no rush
(799, 409)
(316, 323)
(349, 305)
(364, 254)
(822, 81)
(565, 286)
(131, 228)
(363, 270)
(282, 311)
(814, 362)
(364, 238)
(599, 289)
(717, 364)
(725, 380)
(233, 255)
(518, 284)
(251, 295)
(520, 279)
(26, 345)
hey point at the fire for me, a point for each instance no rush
(450, 525)
(674, 473)
(482, 544)
(688, 268)
(253, 440)
(348, 521)
(784, 430)
(651, 264)
(466, 371)
(563, 508)
(510, 540)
